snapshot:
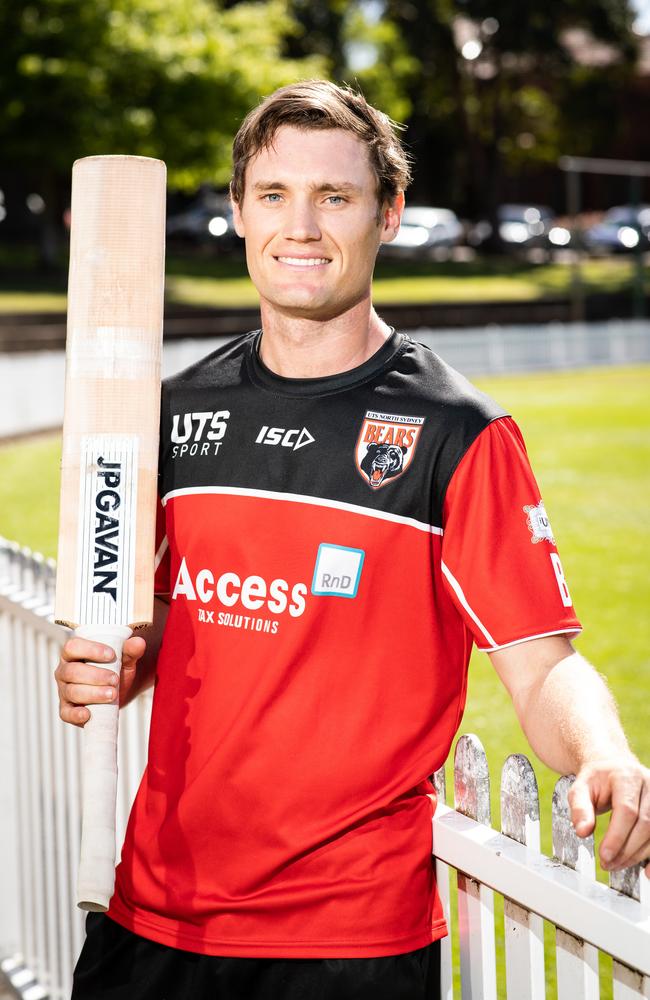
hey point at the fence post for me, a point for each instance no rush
(627, 983)
(442, 883)
(475, 901)
(577, 962)
(524, 931)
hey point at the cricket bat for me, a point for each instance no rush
(104, 585)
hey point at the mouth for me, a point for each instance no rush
(304, 261)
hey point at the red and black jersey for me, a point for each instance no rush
(332, 547)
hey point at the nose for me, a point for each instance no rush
(301, 223)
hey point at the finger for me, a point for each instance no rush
(87, 694)
(628, 859)
(76, 715)
(84, 649)
(85, 673)
(647, 869)
(637, 846)
(581, 805)
(625, 811)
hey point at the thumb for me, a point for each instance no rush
(132, 650)
(583, 815)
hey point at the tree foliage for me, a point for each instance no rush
(173, 79)
(154, 77)
(517, 105)
(163, 78)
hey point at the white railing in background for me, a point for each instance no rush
(41, 930)
(32, 381)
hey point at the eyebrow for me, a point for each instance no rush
(344, 186)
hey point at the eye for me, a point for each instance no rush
(271, 197)
(335, 199)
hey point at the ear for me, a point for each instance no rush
(391, 216)
(236, 217)
(372, 448)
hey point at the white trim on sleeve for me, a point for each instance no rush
(529, 638)
(458, 590)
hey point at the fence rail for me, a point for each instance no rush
(41, 930)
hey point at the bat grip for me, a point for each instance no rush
(96, 878)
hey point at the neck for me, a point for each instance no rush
(297, 347)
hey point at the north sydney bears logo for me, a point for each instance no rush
(386, 446)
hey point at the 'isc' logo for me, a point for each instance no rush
(293, 438)
(201, 434)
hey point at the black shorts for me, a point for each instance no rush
(116, 964)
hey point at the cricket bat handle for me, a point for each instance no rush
(96, 878)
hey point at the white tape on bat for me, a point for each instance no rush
(111, 352)
(96, 878)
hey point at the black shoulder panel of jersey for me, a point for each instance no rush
(457, 412)
(386, 436)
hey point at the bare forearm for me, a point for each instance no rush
(572, 724)
(570, 718)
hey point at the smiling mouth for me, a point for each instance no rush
(303, 261)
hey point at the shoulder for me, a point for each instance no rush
(456, 412)
(443, 390)
(219, 368)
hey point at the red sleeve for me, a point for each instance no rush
(499, 558)
(161, 564)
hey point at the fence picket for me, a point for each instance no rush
(475, 901)
(442, 882)
(628, 984)
(524, 931)
(577, 962)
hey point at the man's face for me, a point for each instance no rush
(309, 217)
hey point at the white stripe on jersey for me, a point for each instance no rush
(238, 491)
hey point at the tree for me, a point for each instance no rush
(151, 77)
(487, 87)
(521, 83)
(496, 88)
(319, 30)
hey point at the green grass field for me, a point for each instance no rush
(209, 281)
(588, 435)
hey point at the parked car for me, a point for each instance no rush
(523, 227)
(209, 220)
(424, 230)
(622, 229)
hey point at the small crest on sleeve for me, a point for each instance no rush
(538, 523)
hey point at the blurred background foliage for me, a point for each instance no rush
(491, 91)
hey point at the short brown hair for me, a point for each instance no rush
(320, 104)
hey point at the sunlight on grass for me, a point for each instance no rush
(205, 281)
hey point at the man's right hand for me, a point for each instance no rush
(81, 684)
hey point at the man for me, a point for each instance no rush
(342, 515)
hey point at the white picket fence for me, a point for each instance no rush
(41, 931)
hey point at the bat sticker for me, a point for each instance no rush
(107, 528)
